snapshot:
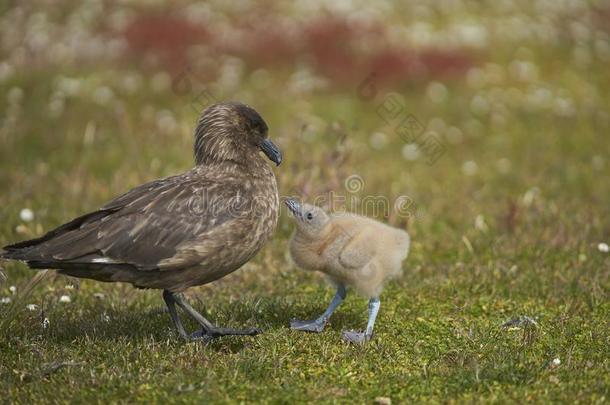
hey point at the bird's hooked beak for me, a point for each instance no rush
(272, 151)
(294, 206)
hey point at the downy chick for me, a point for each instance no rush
(353, 251)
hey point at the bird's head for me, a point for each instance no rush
(310, 219)
(232, 131)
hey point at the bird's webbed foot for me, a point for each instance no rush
(314, 325)
(351, 336)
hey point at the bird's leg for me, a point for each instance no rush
(168, 297)
(317, 325)
(209, 331)
(362, 337)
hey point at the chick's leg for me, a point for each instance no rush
(362, 337)
(317, 325)
(209, 331)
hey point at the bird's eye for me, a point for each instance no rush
(309, 215)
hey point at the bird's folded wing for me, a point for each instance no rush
(144, 227)
(358, 251)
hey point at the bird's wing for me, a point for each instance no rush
(144, 227)
(358, 251)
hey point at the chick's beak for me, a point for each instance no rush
(272, 151)
(294, 206)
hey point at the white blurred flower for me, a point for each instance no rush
(26, 215)
(378, 140)
(304, 81)
(470, 168)
(410, 152)
(31, 307)
(166, 123)
(6, 70)
(603, 247)
(45, 323)
(103, 95)
(5, 300)
(65, 299)
(68, 85)
(12, 289)
(99, 296)
(479, 105)
(472, 35)
(564, 107)
(437, 92)
(131, 83)
(556, 361)
(524, 70)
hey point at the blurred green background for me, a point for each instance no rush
(505, 171)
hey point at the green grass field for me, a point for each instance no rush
(510, 221)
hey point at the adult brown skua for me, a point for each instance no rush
(181, 231)
(352, 251)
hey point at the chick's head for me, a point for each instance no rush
(310, 220)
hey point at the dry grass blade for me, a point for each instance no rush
(9, 316)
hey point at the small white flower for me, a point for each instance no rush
(603, 247)
(12, 289)
(5, 300)
(556, 362)
(65, 298)
(479, 105)
(437, 92)
(410, 152)
(99, 296)
(26, 215)
(470, 168)
(45, 323)
(378, 140)
(69, 286)
(31, 307)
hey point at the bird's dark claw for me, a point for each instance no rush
(200, 336)
(206, 336)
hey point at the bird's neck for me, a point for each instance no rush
(252, 165)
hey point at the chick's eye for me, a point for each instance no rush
(309, 215)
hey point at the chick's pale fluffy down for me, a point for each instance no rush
(354, 251)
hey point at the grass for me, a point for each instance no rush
(505, 224)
